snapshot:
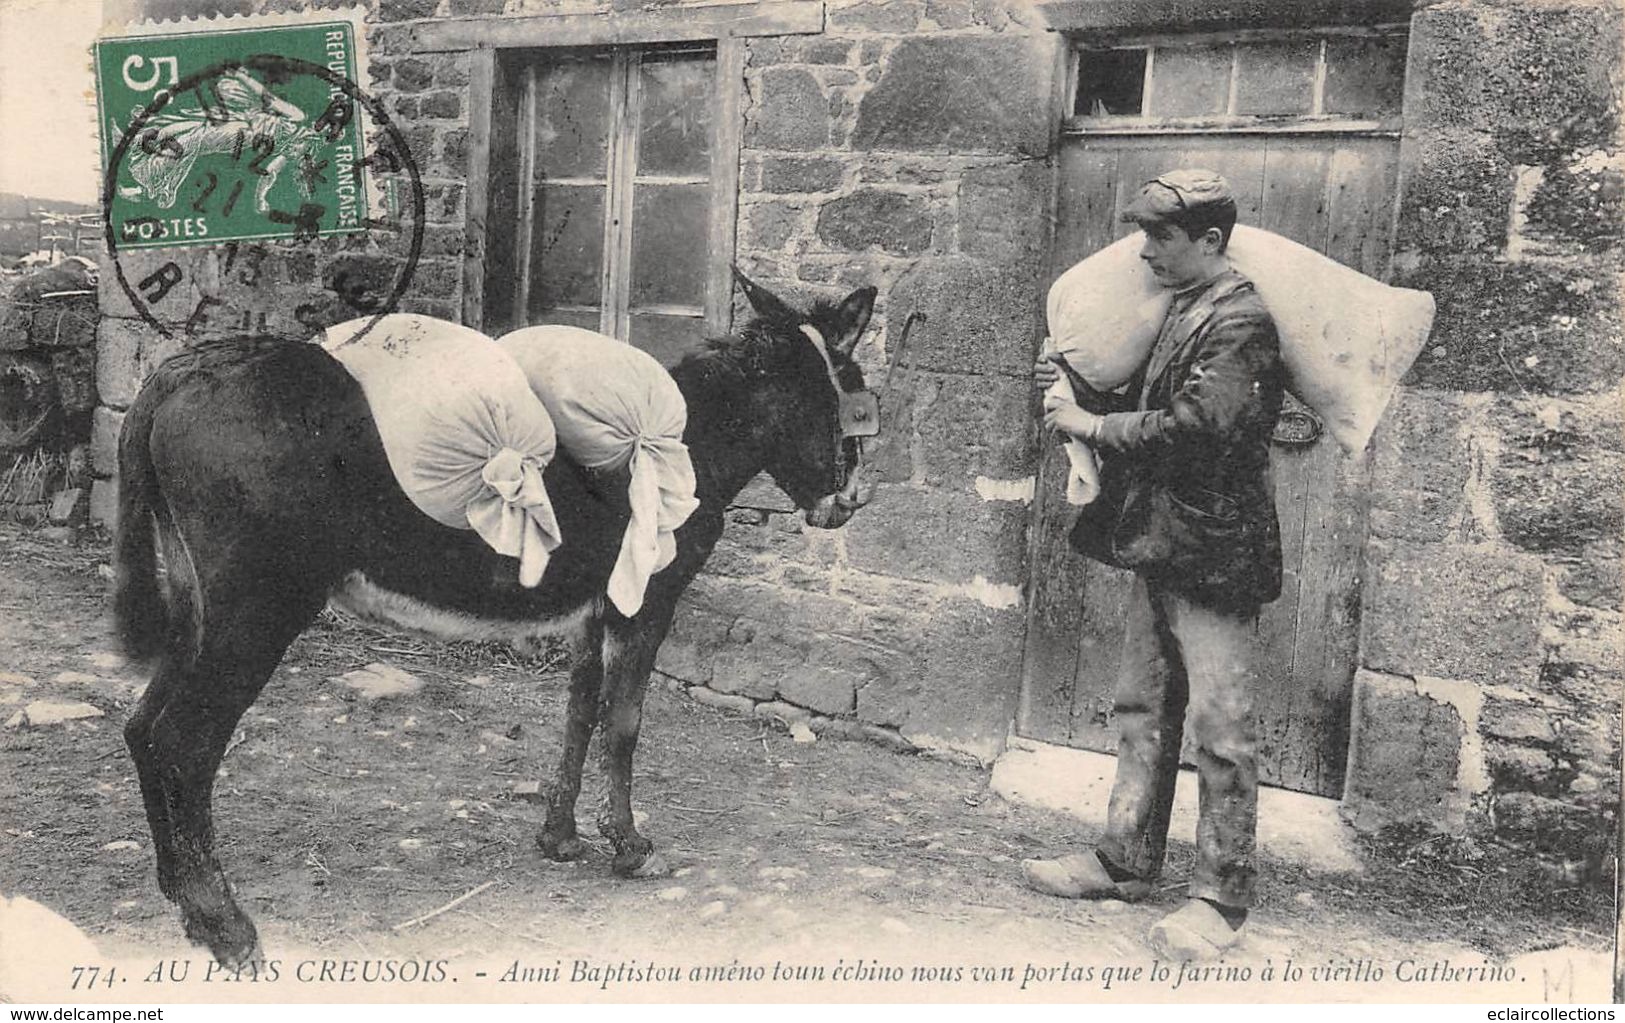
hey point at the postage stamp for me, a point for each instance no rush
(224, 135)
(242, 155)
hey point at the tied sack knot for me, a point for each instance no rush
(513, 513)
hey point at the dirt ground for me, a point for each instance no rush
(341, 819)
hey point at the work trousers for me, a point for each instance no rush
(1185, 662)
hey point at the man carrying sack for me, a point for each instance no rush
(1187, 502)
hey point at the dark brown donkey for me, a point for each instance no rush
(256, 467)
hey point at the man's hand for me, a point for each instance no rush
(1066, 417)
(1046, 372)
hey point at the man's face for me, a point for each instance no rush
(1176, 259)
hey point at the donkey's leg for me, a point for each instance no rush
(243, 638)
(138, 737)
(558, 838)
(629, 654)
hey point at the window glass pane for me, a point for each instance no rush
(674, 136)
(572, 118)
(1365, 76)
(1276, 78)
(669, 224)
(587, 319)
(1110, 83)
(667, 338)
(567, 247)
(1190, 81)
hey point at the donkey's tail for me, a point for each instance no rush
(140, 610)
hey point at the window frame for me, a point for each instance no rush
(725, 25)
(1316, 122)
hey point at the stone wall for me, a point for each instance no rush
(905, 147)
(1491, 689)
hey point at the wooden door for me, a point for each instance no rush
(1333, 192)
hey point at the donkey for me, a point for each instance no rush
(254, 466)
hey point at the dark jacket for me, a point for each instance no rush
(1187, 498)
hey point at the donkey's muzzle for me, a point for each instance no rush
(834, 510)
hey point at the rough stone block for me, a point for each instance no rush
(940, 536)
(888, 16)
(801, 174)
(721, 701)
(1578, 205)
(443, 203)
(1558, 481)
(1517, 768)
(464, 7)
(127, 352)
(1593, 579)
(413, 74)
(1548, 329)
(818, 50)
(454, 151)
(146, 273)
(1587, 685)
(1458, 196)
(404, 10)
(768, 226)
(447, 106)
(973, 426)
(118, 350)
(438, 279)
(697, 632)
(74, 370)
(1554, 826)
(970, 679)
(949, 14)
(792, 113)
(1003, 212)
(1420, 464)
(1591, 739)
(897, 223)
(827, 689)
(780, 537)
(64, 322)
(1453, 611)
(785, 713)
(980, 318)
(104, 433)
(959, 94)
(104, 504)
(1517, 722)
(443, 240)
(1405, 752)
(1535, 74)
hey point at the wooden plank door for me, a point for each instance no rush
(1335, 194)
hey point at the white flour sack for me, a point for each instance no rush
(465, 436)
(1346, 338)
(613, 404)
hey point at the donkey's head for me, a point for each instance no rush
(814, 404)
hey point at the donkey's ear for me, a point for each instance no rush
(852, 319)
(767, 305)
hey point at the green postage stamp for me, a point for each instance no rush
(232, 134)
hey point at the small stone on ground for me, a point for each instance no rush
(379, 681)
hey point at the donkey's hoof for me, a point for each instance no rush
(561, 850)
(652, 864)
(230, 937)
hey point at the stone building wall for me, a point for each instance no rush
(905, 147)
(1491, 685)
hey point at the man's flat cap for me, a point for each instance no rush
(1178, 193)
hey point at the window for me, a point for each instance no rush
(1342, 77)
(603, 194)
